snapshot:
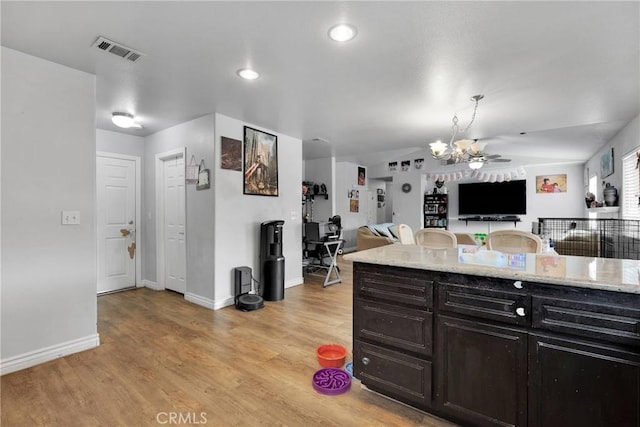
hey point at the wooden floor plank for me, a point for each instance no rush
(162, 354)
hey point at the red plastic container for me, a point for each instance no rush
(331, 355)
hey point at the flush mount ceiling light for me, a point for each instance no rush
(248, 74)
(124, 120)
(342, 32)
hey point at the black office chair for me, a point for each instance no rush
(313, 247)
(335, 227)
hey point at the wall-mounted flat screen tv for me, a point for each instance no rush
(493, 198)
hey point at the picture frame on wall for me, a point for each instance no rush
(606, 163)
(362, 175)
(260, 163)
(230, 154)
(547, 184)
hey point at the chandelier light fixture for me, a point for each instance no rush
(463, 150)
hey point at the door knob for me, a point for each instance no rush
(365, 361)
(520, 311)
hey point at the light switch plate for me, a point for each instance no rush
(70, 217)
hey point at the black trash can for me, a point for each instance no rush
(271, 261)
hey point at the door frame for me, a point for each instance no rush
(160, 249)
(138, 202)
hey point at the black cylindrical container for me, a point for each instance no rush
(271, 261)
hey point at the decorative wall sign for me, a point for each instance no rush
(417, 163)
(393, 166)
(203, 178)
(606, 163)
(230, 154)
(405, 164)
(260, 163)
(192, 170)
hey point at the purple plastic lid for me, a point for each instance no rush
(331, 381)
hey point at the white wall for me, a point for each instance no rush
(238, 216)
(548, 205)
(346, 179)
(197, 136)
(320, 171)
(408, 208)
(624, 142)
(121, 143)
(48, 165)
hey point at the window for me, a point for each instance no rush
(630, 187)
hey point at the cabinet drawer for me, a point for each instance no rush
(606, 322)
(393, 285)
(502, 306)
(396, 326)
(396, 375)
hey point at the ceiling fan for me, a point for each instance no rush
(472, 152)
(464, 150)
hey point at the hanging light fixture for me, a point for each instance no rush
(463, 150)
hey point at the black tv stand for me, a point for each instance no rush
(500, 218)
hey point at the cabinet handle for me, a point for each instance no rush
(365, 361)
(517, 284)
(520, 311)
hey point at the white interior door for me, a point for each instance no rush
(372, 217)
(116, 217)
(174, 224)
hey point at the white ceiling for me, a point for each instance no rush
(567, 73)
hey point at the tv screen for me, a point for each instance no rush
(493, 198)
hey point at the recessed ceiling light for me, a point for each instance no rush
(342, 32)
(124, 120)
(248, 74)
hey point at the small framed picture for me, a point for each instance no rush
(606, 163)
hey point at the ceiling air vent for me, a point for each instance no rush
(117, 49)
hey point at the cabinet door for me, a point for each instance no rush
(577, 383)
(481, 372)
(393, 374)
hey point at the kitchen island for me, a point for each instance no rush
(484, 338)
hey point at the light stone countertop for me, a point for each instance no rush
(619, 275)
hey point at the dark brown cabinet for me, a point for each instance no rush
(495, 352)
(582, 383)
(393, 332)
(394, 374)
(481, 372)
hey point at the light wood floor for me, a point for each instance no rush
(160, 354)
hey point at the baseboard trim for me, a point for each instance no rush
(152, 285)
(294, 282)
(36, 357)
(200, 300)
(226, 302)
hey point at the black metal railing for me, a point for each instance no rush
(606, 238)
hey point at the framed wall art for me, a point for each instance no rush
(361, 175)
(551, 183)
(230, 154)
(260, 163)
(606, 163)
